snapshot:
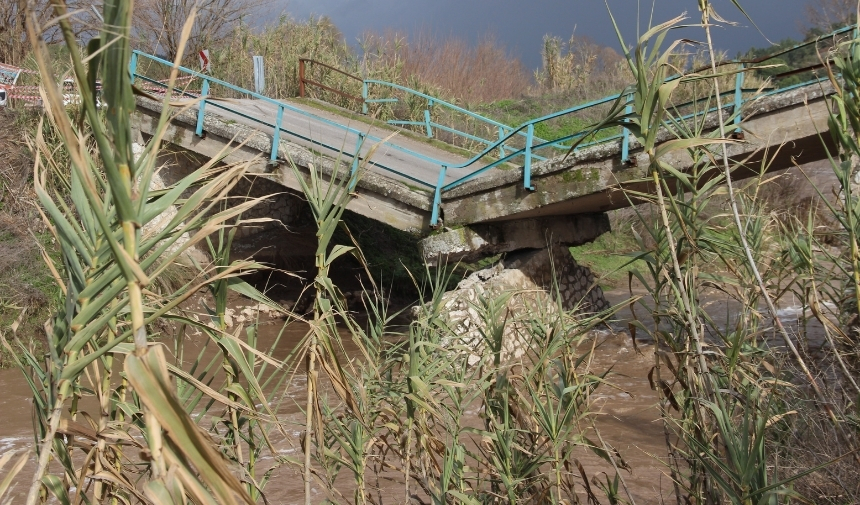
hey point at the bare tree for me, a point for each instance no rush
(827, 14)
(159, 23)
(14, 43)
(13, 34)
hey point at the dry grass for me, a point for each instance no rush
(455, 69)
(25, 284)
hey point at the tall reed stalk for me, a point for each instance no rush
(720, 393)
(101, 343)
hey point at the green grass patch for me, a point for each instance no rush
(516, 112)
(26, 285)
(609, 257)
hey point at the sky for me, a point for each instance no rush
(521, 24)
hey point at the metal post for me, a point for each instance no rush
(437, 198)
(302, 77)
(204, 92)
(739, 100)
(276, 136)
(132, 66)
(427, 123)
(625, 134)
(527, 165)
(356, 158)
(502, 133)
(364, 97)
(259, 76)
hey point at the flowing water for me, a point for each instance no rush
(627, 411)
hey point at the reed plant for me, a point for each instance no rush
(105, 348)
(724, 381)
(419, 411)
(403, 411)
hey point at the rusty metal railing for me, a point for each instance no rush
(303, 80)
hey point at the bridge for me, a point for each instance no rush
(506, 196)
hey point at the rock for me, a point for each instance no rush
(528, 277)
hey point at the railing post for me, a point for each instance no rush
(132, 66)
(356, 158)
(502, 133)
(527, 165)
(625, 134)
(276, 136)
(437, 198)
(427, 119)
(204, 92)
(364, 97)
(301, 77)
(739, 101)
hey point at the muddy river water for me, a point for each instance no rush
(628, 416)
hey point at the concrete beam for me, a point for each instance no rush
(783, 128)
(377, 197)
(474, 242)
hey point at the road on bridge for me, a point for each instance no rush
(390, 154)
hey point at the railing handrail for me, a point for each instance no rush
(496, 144)
(514, 130)
(282, 106)
(506, 132)
(303, 80)
(435, 100)
(744, 62)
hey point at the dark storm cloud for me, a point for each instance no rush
(521, 24)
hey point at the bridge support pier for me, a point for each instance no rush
(537, 273)
(536, 257)
(473, 242)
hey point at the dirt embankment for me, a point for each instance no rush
(25, 282)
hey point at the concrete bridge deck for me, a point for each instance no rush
(382, 196)
(783, 127)
(387, 154)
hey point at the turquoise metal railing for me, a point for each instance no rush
(429, 125)
(277, 126)
(503, 145)
(526, 130)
